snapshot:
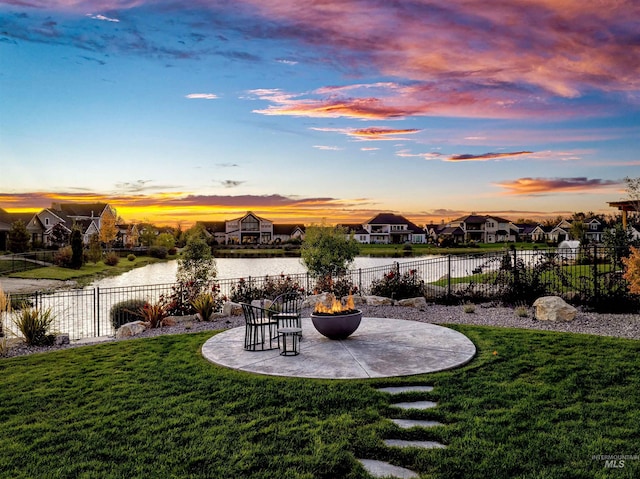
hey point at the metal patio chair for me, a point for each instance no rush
(261, 330)
(285, 310)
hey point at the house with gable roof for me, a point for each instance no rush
(249, 229)
(360, 234)
(31, 222)
(389, 228)
(486, 228)
(284, 232)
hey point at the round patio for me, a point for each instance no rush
(381, 347)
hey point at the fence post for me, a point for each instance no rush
(360, 280)
(596, 291)
(96, 311)
(449, 276)
(516, 279)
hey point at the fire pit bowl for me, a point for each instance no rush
(337, 325)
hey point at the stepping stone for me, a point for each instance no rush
(384, 469)
(420, 444)
(409, 423)
(415, 405)
(406, 389)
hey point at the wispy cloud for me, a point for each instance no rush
(231, 183)
(540, 186)
(372, 133)
(488, 156)
(201, 96)
(103, 18)
(327, 148)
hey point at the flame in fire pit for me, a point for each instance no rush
(336, 306)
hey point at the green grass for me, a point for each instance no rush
(396, 250)
(88, 272)
(541, 407)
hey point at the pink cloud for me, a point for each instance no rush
(532, 186)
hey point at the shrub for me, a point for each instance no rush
(632, 270)
(126, 312)
(154, 313)
(275, 286)
(63, 257)
(522, 312)
(111, 259)
(245, 291)
(340, 286)
(131, 257)
(469, 308)
(399, 286)
(34, 325)
(159, 252)
(204, 305)
(180, 301)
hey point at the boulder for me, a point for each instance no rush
(434, 291)
(262, 303)
(229, 308)
(418, 303)
(311, 301)
(378, 301)
(130, 329)
(357, 300)
(61, 339)
(554, 308)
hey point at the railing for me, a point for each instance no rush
(590, 276)
(13, 263)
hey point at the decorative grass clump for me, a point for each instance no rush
(530, 405)
(34, 325)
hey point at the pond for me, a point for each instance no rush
(231, 268)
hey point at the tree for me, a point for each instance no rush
(578, 231)
(95, 249)
(59, 235)
(327, 251)
(18, 237)
(148, 234)
(196, 265)
(108, 230)
(166, 240)
(618, 242)
(633, 192)
(77, 249)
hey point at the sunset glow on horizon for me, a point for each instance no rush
(314, 112)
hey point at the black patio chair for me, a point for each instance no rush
(261, 330)
(285, 309)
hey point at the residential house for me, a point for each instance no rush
(216, 230)
(449, 234)
(389, 228)
(32, 224)
(128, 236)
(360, 234)
(594, 231)
(249, 229)
(286, 232)
(89, 217)
(525, 231)
(560, 232)
(486, 229)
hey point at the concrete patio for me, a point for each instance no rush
(381, 347)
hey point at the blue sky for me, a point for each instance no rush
(319, 111)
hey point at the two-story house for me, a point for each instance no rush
(389, 228)
(249, 229)
(485, 228)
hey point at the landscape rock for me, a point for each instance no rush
(130, 329)
(262, 303)
(554, 308)
(61, 339)
(229, 308)
(311, 301)
(378, 301)
(418, 303)
(434, 291)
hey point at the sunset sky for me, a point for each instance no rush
(334, 110)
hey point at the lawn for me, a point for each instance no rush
(397, 250)
(89, 271)
(531, 404)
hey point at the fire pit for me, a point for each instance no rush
(337, 321)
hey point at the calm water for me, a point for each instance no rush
(231, 268)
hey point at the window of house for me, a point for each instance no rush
(46, 221)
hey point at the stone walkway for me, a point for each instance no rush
(384, 469)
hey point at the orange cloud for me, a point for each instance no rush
(488, 156)
(533, 186)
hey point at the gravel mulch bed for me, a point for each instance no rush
(617, 325)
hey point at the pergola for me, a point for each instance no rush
(624, 206)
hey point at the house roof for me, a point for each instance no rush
(471, 219)
(80, 209)
(451, 230)
(213, 226)
(388, 219)
(286, 229)
(355, 228)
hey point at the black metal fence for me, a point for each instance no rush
(13, 263)
(590, 276)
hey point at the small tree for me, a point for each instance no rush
(95, 249)
(327, 251)
(108, 230)
(77, 248)
(578, 231)
(18, 237)
(632, 270)
(166, 240)
(60, 235)
(618, 242)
